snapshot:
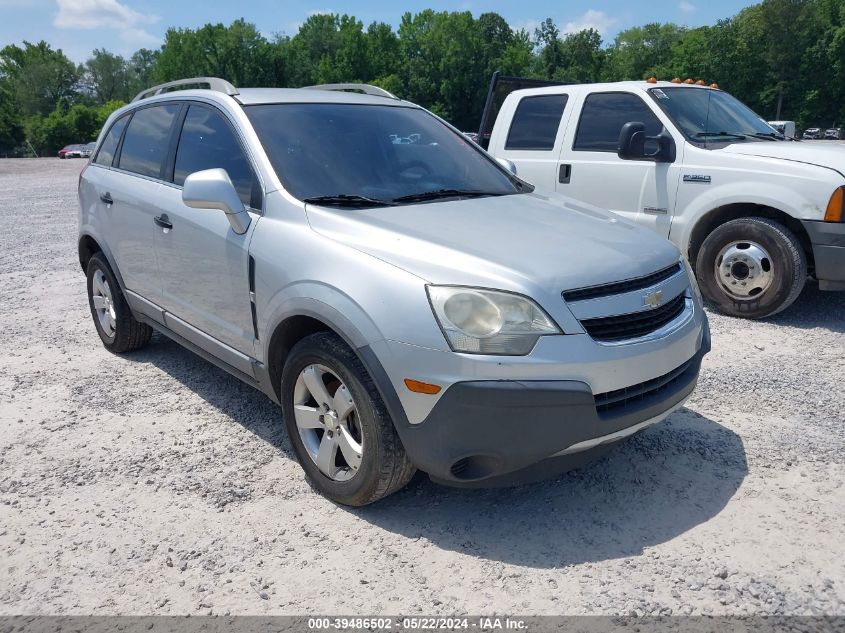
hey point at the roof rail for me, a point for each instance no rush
(214, 83)
(367, 89)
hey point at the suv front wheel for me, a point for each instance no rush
(340, 429)
(751, 267)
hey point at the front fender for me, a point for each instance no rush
(781, 198)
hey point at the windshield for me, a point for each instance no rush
(705, 115)
(352, 153)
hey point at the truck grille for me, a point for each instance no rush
(629, 285)
(636, 324)
(611, 400)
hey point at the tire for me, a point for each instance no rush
(751, 267)
(383, 466)
(118, 329)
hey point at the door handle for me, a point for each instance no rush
(106, 197)
(163, 221)
(564, 174)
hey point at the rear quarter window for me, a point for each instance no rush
(536, 122)
(107, 150)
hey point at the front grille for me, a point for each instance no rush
(629, 285)
(635, 393)
(636, 324)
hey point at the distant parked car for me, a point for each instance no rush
(88, 149)
(833, 134)
(71, 151)
(812, 133)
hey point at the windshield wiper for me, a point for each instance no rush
(711, 134)
(445, 193)
(769, 136)
(347, 200)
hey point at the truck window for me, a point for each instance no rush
(535, 123)
(602, 118)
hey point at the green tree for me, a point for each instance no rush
(37, 76)
(107, 75)
(11, 124)
(238, 53)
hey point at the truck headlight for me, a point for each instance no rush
(478, 321)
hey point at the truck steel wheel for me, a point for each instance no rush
(751, 267)
(118, 329)
(338, 425)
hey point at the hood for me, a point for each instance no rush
(518, 242)
(822, 153)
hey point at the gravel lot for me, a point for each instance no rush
(157, 484)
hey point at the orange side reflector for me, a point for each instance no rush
(714, 85)
(700, 82)
(422, 387)
(689, 81)
(676, 80)
(652, 80)
(834, 212)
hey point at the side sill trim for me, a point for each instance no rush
(199, 351)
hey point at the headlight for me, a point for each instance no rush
(480, 321)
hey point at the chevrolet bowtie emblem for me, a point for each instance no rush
(653, 298)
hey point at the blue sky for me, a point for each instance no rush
(122, 26)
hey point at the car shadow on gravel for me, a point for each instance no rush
(814, 308)
(648, 490)
(244, 404)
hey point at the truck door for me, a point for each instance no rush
(590, 170)
(533, 141)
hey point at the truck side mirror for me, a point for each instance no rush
(635, 145)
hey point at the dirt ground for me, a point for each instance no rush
(157, 484)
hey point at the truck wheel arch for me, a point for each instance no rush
(719, 215)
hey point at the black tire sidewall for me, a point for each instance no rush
(783, 263)
(96, 263)
(359, 489)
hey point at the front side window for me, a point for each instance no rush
(535, 123)
(207, 142)
(602, 118)
(109, 146)
(372, 151)
(704, 114)
(146, 139)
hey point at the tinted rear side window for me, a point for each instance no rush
(207, 142)
(536, 122)
(146, 138)
(109, 146)
(603, 116)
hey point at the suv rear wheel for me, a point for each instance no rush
(339, 427)
(118, 329)
(751, 267)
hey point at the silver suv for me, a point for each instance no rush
(410, 305)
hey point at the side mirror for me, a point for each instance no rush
(507, 164)
(635, 145)
(212, 189)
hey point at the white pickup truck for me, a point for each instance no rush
(754, 213)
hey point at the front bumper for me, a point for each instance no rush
(828, 241)
(487, 430)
